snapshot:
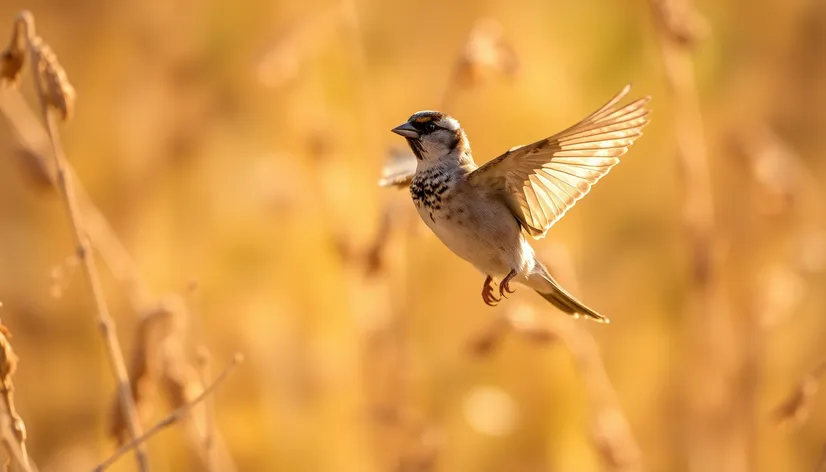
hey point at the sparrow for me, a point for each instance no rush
(483, 214)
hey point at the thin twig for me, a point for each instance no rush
(65, 184)
(205, 372)
(177, 415)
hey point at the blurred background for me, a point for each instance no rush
(228, 156)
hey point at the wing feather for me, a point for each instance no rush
(543, 180)
(399, 169)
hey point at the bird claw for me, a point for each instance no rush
(487, 293)
(504, 285)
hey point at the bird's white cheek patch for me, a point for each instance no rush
(449, 123)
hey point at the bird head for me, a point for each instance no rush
(434, 136)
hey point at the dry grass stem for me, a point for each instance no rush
(719, 348)
(691, 148)
(174, 417)
(14, 430)
(205, 373)
(55, 94)
(159, 337)
(160, 361)
(35, 153)
(35, 148)
(402, 439)
(347, 301)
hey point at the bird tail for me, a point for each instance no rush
(550, 290)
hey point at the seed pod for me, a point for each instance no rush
(58, 92)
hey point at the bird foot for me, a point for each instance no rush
(504, 285)
(487, 293)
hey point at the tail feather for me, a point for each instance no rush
(550, 290)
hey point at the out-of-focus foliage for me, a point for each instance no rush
(239, 144)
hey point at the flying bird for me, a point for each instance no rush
(482, 214)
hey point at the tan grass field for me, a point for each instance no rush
(223, 160)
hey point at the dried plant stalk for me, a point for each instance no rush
(159, 332)
(183, 384)
(56, 95)
(35, 144)
(36, 149)
(177, 415)
(160, 361)
(205, 375)
(14, 430)
(717, 351)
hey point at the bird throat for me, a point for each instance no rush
(416, 146)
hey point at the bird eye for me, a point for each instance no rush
(430, 127)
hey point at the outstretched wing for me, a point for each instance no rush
(399, 169)
(543, 180)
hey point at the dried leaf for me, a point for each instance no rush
(486, 54)
(159, 328)
(14, 56)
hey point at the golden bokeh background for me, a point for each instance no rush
(234, 148)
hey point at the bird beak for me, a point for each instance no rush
(407, 130)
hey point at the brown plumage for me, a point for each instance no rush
(479, 212)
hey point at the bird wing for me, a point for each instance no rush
(399, 169)
(543, 180)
